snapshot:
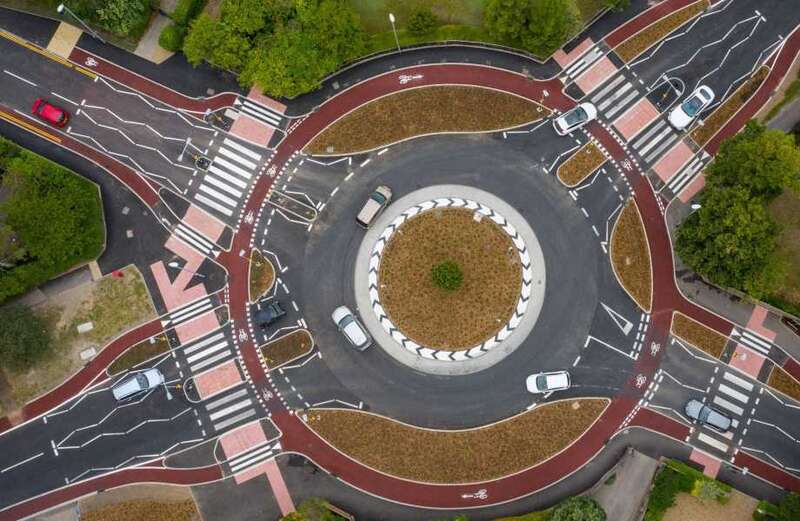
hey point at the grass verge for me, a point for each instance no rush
(711, 125)
(630, 256)
(144, 511)
(791, 92)
(675, 478)
(581, 164)
(421, 111)
(262, 275)
(785, 210)
(698, 335)
(435, 456)
(139, 353)
(287, 348)
(783, 382)
(654, 33)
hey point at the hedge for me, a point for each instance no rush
(171, 37)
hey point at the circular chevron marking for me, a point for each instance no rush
(474, 351)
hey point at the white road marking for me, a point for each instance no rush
(15, 465)
(725, 404)
(20, 78)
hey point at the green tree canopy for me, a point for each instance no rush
(789, 507)
(201, 39)
(245, 16)
(539, 26)
(123, 16)
(23, 337)
(579, 508)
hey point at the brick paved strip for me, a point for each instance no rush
(636, 118)
(673, 160)
(767, 472)
(217, 379)
(633, 26)
(242, 439)
(660, 423)
(565, 59)
(792, 367)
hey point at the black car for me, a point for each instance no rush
(269, 314)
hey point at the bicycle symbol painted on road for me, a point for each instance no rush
(242, 335)
(626, 165)
(654, 348)
(640, 380)
(267, 394)
(405, 78)
(480, 494)
(249, 218)
(271, 171)
(90, 62)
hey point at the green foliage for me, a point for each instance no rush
(186, 10)
(171, 37)
(789, 507)
(579, 508)
(447, 275)
(765, 511)
(313, 509)
(667, 485)
(538, 26)
(617, 5)
(24, 338)
(201, 39)
(124, 16)
(710, 490)
(422, 22)
(245, 16)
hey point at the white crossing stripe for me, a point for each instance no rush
(211, 178)
(712, 442)
(210, 360)
(756, 342)
(230, 167)
(207, 351)
(605, 90)
(217, 195)
(195, 239)
(226, 176)
(178, 314)
(725, 404)
(622, 104)
(225, 399)
(736, 395)
(656, 140)
(657, 152)
(194, 347)
(685, 176)
(236, 157)
(231, 408)
(213, 204)
(234, 419)
(241, 149)
(741, 382)
(261, 112)
(615, 96)
(256, 455)
(641, 140)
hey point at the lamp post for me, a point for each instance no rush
(61, 8)
(175, 264)
(394, 30)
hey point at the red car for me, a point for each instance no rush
(50, 113)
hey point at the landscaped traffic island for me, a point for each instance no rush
(449, 278)
(464, 456)
(630, 256)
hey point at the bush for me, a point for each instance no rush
(171, 37)
(124, 17)
(538, 26)
(789, 507)
(447, 275)
(422, 22)
(186, 10)
(667, 485)
(579, 508)
(24, 338)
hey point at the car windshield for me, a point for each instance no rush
(576, 116)
(141, 379)
(541, 382)
(692, 106)
(378, 197)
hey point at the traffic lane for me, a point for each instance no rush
(776, 409)
(771, 443)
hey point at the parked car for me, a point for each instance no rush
(547, 382)
(792, 324)
(50, 113)
(574, 119)
(137, 384)
(269, 314)
(376, 203)
(704, 414)
(682, 115)
(351, 328)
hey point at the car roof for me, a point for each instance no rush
(560, 379)
(50, 111)
(355, 333)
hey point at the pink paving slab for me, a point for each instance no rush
(756, 323)
(252, 472)
(565, 59)
(279, 487)
(173, 296)
(746, 361)
(671, 163)
(221, 377)
(204, 223)
(693, 188)
(251, 130)
(596, 75)
(242, 439)
(199, 326)
(710, 464)
(641, 114)
(192, 257)
(255, 95)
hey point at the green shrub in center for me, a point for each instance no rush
(447, 275)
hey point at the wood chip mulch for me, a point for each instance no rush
(421, 111)
(698, 335)
(287, 348)
(480, 454)
(262, 275)
(581, 164)
(649, 36)
(144, 511)
(144, 350)
(783, 382)
(435, 317)
(630, 256)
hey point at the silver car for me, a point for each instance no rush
(137, 383)
(351, 328)
(376, 203)
(706, 415)
(547, 382)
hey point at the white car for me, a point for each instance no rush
(547, 382)
(574, 119)
(682, 115)
(351, 328)
(376, 203)
(137, 383)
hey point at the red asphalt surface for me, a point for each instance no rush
(297, 436)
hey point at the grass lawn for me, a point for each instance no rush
(262, 275)
(783, 381)
(785, 210)
(423, 111)
(581, 164)
(698, 335)
(436, 456)
(791, 92)
(287, 348)
(139, 353)
(630, 256)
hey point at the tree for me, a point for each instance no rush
(203, 35)
(579, 508)
(539, 26)
(764, 161)
(617, 5)
(245, 16)
(507, 20)
(447, 275)
(422, 22)
(123, 16)
(23, 337)
(171, 37)
(231, 50)
(731, 240)
(789, 507)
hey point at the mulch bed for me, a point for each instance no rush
(480, 454)
(783, 382)
(437, 318)
(581, 164)
(144, 511)
(711, 125)
(698, 335)
(630, 256)
(139, 353)
(262, 275)
(287, 348)
(421, 111)
(649, 36)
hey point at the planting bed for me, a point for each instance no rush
(698, 335)
(581, 164)
(630, 256)
(423, 111)
(287, 348)
(783, 382)
(144, 511)
(262, 275)
(649, 36)
(439, 318)
(435, 456)
(139, 353)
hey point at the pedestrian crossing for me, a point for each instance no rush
(731, 397)
(262, 113)
(687, 174)
(232, 408)
(214, 349)
(253, 457)
(617, 95)
(752, 340)
(227, 178)
(195, 240)
(580, 65)
(188, 312)
(655, 141)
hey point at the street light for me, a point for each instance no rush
(175, 264)
(183, 150)
(61, 8)
(394, 30)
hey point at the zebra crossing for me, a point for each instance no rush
(752, 340)
(254, 456)
(579, 66)
(732, 396)
(687, 174)
(615, 96)
(195, 240)
(262, 113)
(655, 141)
(228, 177)
(213, 349)
(188, 312)
(230, 408)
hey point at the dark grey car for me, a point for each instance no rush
(704, 414)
